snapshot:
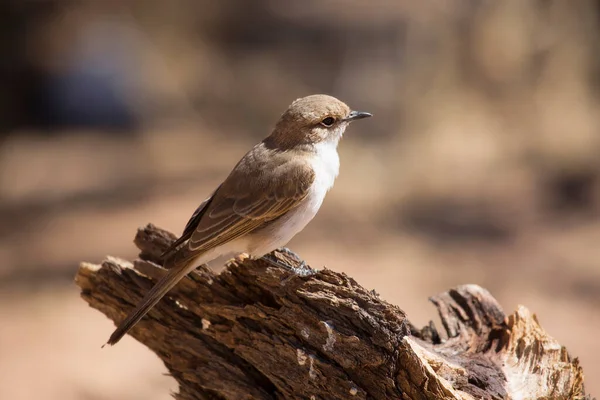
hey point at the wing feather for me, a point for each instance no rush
(189, 228)
(243, 204)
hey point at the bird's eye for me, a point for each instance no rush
(328, 121)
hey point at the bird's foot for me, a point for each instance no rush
(293, 255)
(302, 269)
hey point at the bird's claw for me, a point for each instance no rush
(301, 270)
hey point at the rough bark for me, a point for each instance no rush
(259, 332)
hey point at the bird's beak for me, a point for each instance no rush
(354, 115)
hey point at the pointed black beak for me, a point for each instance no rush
(354, 115)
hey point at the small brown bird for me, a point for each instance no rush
(272, 194)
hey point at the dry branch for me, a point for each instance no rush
(258, 332)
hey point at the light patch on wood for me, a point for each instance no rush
(432, 365)
(305, 333)
(528, 345)
(301, 355)
(312, 371)
(124, 264)
(90, 266)
(328, 346)
(181, 305)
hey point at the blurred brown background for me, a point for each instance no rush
(480, 166)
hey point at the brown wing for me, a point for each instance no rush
(189, 228)
(263, 186)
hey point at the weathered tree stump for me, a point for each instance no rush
(258, 332)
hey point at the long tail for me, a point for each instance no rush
(161, 288)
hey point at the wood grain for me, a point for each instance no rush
(259, 332)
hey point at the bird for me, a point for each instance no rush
(272, 193)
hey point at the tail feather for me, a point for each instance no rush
(162, 287)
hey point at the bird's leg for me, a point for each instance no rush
(304, 269)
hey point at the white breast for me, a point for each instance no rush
(326, 165)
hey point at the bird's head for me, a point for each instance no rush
(313, 119)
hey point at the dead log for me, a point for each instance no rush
(258, 332)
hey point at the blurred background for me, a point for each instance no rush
(481, 164)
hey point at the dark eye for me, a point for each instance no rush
(328, 121)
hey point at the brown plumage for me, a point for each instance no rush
(270, 195)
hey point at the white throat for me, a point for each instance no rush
(326, 165)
